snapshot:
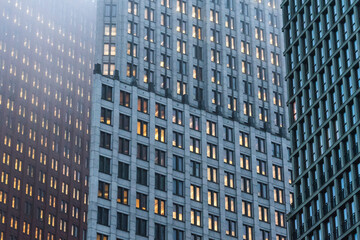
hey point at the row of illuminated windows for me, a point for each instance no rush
(165, 39)
(196, 219)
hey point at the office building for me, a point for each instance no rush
(46, 61)
(322, 54)
(188, 131)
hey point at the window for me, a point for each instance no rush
(195, 169)
(247, 209)
(141, 201)
(211, 150)
(160, 181)
(245, 185)
(195, 237)
(260, 145)
(100, 237)
(194, 145)
(230, 203)
(123, 171)
(210, 128)
(105, 140)
(142, 128)
(263, 214)
(279, 237)
(103, 190)
(123, 195)
(124, 146)
(228, 134)
(104, 165)
(105, 116)
(103, 216)
(159, 207)
(178, 212)
(248, 109)
(106, 93)
(159, 232)
(178, 234)
(142, 105)
(261, 167)
(277, 172)
(124, 122)
(229, 156)
(160, 110)
(278, 195)
(141, 227)
(262, 190)
(212, 174)
(213, 198)
(230, 228)
(265, 235)
(141, 176)
(178, 139)
(195, 217)
(178, 163)
(195, 193)
(178, 187)
(159, 134)
(122, 221)
(194, 122)
(229, 180)
(245, 162)
(124, 99)
(279, 219)
(247, 232)
(213, 223)
(159, 157)
(142, 152)
(177, 116)
(244, 139)
(276, 150)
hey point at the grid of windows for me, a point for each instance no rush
(196, 122)
(322, 72)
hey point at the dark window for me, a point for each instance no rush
(260, 145)
(141, 227)
(159, 232)
(178, 163)
(124, 146)
(103, 216)
(178, 234)
(124, 122)
(195, 169)
(160, 182)
(106, 93)
(104, 164)
(178, 140)
(122, 221)
(276, 150)
(262, 190)
(142, 152)
(141, 176)
(159, 157)
(124, 99)
(177, 116)
(178, 187)
(105, 140)
(123, 171)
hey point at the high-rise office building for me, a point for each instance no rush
(322, 59)
(46, 61)
(187, 122)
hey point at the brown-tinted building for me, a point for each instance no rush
(46, 51)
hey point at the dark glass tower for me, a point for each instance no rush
(46, 54)
(323, 74)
